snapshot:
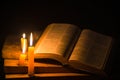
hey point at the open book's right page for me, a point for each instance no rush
(92, 49)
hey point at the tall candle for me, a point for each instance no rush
(24, 48)
(31, 57)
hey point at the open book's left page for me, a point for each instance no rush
(57, 41)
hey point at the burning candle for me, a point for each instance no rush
(24, 48)
(31, 57)
(24, 42)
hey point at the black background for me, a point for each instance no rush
(27, 16)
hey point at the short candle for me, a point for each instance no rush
(24, 48)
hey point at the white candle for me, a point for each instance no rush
(24, 48)
(31, 57)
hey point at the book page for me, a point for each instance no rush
(56, 39)
(92, 49)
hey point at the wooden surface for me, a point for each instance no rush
(48, 76)
(12, 67)
(44, 71)
(52, 76)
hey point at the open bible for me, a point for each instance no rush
(80, 49)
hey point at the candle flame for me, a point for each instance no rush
(24, 35)
(31, 39)
(24, 46)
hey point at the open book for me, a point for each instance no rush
(84, 49)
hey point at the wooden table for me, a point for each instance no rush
(43, 71)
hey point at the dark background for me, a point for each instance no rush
(27, 16)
